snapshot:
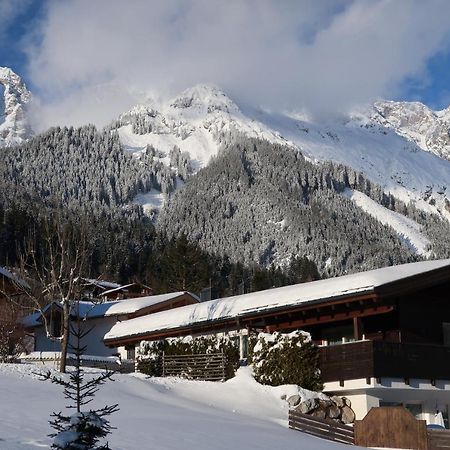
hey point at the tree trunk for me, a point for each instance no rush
(65, 336)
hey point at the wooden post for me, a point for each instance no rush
(357, 325)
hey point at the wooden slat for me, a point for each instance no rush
(208, 367)
(300, 416)
(329, 429)
(325, 429)
(330, 434)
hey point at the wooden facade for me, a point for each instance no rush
(11, 293)
(378, 359)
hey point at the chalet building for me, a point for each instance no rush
(106, 290)
(101, 317)
(11, 291)
(131, 290)
(384, 334)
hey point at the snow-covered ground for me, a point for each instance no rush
(158, 413)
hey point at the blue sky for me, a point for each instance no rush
(89, 60)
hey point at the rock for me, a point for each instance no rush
(294, 400)
(283, 397)
(333, 412)
(347, 401)
(308, 405)
(338, 401)
(324, 404)
(348, 416)
(319, 413)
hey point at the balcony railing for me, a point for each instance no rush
(364, 359)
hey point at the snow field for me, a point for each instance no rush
(159, 413)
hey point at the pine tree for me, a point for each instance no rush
(84, 429)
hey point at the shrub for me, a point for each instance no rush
(150, 353)
(286, 359)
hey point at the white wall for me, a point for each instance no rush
(93, 341)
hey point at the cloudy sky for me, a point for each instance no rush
(89, 60)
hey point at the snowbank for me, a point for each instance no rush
(160, 413)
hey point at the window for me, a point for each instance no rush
(415, 409)
(55, 324)
(446, 333)
(130, 351)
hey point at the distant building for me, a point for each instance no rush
(101, 317)
(12, 289)
(106, 290)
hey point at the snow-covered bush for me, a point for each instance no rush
(292, 358)
(81, 431)
(150, 353)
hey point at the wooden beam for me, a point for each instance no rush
(335, 317)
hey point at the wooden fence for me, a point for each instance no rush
(207, 367)
(325, 429)
(438, 439)
(391, 427)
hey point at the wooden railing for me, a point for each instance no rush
(208, 366)
(390, 427)
(325, 429)
(377, 359)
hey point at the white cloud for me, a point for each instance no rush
(324, 56)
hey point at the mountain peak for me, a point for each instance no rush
(14, 126)
(417, 122)
(204, 98)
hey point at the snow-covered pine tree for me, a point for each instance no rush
(82, 430)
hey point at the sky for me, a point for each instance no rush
(86, 61)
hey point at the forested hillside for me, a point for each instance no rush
(245, 221)
(263, 202)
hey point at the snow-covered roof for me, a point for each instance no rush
(132, 305)
(120, 288)
(101, 283)
(271, 299)
(7, 274)
(89, 310)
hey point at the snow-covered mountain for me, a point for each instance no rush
(197, 121)
(403, 147)
(429, 129)
(397, 164)
(259, 186)
(14, 96)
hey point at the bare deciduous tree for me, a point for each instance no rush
(55, 262)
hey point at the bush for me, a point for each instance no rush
(150, 353)
(286, 359)
(12, 340)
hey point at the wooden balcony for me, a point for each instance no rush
(365, 359)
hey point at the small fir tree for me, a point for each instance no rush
(84, 429)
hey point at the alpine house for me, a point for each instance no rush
(384, 334)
